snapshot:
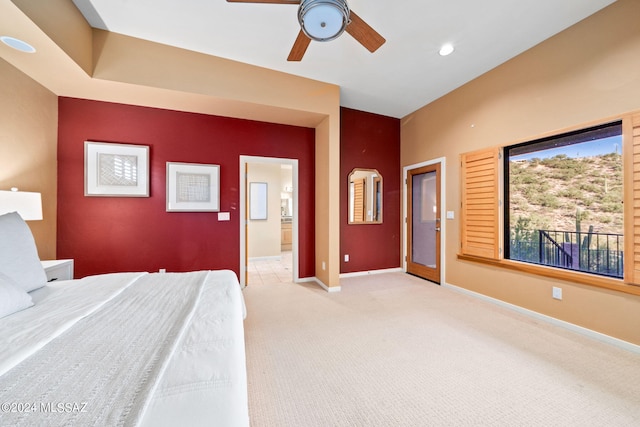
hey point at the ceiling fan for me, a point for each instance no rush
(325, 20)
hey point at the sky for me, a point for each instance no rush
(608, 145)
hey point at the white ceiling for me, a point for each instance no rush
(405, 74)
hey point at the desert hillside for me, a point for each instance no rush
(550, 193)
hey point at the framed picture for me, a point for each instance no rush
(258, 200)
(193, 187)
(116, 170)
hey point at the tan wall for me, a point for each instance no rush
(264, 235)
(328, 200)
(586, 73)
(28, 136)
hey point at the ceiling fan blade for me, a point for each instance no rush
(266, 1)
(299, 47)
(364, 34)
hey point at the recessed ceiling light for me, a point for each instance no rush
(446, 49)
(17, 44)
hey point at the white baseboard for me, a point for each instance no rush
(598, 336)
(368, 272)
(354, 274)
(330, 289)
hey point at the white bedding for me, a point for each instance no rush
(203, 382)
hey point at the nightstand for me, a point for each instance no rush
(60, 269)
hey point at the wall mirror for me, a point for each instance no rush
(365, 196)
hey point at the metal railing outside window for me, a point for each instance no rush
(597, 253)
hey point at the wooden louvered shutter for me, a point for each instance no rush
(635, 261)
(358, 202)
(480, 231)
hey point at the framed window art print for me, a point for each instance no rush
(116, 170)
(193, 187)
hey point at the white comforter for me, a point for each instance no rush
(203, 381)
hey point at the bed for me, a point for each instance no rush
(131, 349)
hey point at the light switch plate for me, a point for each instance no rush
(450, 215)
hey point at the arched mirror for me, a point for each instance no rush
(365, 196)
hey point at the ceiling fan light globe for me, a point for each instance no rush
(323, 20)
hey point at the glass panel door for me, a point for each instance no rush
(423, 231)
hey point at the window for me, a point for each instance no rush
(563, 201)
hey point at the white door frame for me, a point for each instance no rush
(443, 214)
(243, 219)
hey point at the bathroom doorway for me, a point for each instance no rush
(269, 229)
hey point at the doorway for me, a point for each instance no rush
(269, 220)
(424, 224)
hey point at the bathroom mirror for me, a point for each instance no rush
(365, 196)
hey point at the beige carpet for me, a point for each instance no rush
(394, 350)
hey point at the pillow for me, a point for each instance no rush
(19, 259)
(12, 298)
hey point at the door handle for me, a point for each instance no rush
(437, 228)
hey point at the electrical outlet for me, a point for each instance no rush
(346, 257)
(162, 270)
(556, 293)
(324, 265)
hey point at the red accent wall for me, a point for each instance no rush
(370, 140)
(107, 234)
